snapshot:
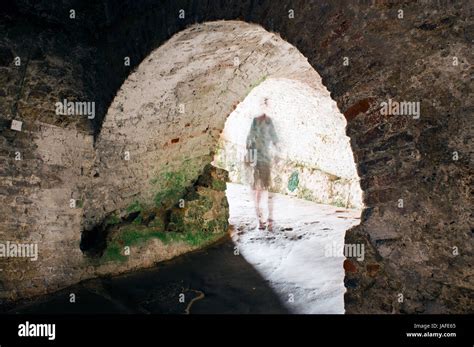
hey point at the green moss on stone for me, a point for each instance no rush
(157, 223)
(112, 220)
(219, 185)
(339, 203)
(134, 207)
(293, 181)
(134, 236)
(113, 254)
(305, 193)
(138, 219)
(170, 186)
(199, 238)
(186, 224)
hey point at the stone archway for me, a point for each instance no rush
(167, 118)
(401, 161)
(174, 106)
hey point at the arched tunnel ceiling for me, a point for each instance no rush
(206, 68)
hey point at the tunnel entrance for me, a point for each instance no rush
(161, 116)
(313, 197)
(189, 105)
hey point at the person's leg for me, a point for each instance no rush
(257, 188)
(269, 202)
(258, 211)
(270, 211)
(258, 197)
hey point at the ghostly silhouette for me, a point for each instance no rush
(259, 140)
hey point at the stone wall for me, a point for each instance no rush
(155, 127)
(179, 222)
(415, 173)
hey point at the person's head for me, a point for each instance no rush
(265, 104)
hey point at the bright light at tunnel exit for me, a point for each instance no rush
(313, 198)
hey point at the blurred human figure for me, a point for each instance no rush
(259, 140)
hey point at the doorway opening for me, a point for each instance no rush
(292, 231)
